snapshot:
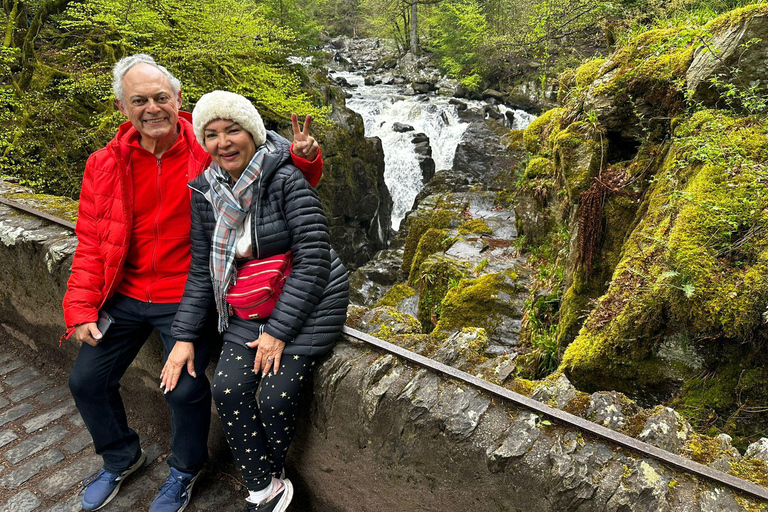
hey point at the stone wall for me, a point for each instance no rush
(381, 434)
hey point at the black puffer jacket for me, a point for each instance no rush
(287, 215)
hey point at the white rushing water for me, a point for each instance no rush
(381, 106)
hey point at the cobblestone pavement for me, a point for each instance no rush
(45, 450)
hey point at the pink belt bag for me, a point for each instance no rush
(258, 286)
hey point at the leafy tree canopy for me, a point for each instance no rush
(56, 103)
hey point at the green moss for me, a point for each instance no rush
(436, 275)
(578, 157)
(539, 167)
(431, 242)
(388, 322)
(418, 225)
(696, 259)
(62, 207)
(565, 83)
(578, 405)
(514, 140)
(704, 450)
(541, 128)
(523, 387)
(475, 303)
(754, 470)
(735, 17)
(396, 295)
(476, 227)
(587, 72)
(505, 198)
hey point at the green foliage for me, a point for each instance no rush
(457, 28)
(48, 129)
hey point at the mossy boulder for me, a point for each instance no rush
(541, 128)
(578, 155)
(436, 276)
(733, 59)
(695, 262)
(421, 221)
(491, 301)
(401, 297)
(431, 242)
(640, 84)
(539, 167)
(587, 73)
(385, 322)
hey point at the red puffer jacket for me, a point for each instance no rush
(105, 219)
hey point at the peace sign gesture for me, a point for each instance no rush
(304, 145)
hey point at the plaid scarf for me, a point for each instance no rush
(231, 206)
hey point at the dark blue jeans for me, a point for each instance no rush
(95, 384)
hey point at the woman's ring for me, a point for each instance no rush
(269, 359)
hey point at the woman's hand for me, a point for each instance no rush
(183, 354)
(268, 353)
(304, 145)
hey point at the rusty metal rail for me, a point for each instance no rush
(668, 458)
(37, 213)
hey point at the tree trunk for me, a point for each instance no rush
(414, 29)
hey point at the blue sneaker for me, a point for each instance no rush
(175, 493)
(101, 487)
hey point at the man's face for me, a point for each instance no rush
(149, 103)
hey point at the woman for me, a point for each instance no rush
(252, 204)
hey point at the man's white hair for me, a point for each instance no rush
(126, 63)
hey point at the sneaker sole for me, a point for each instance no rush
(287, 497)
(127, 473)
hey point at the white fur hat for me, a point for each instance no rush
(228, 105)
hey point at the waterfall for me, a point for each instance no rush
(381, 106)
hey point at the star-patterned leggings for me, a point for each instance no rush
(259, 420)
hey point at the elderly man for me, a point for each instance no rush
(128, 274)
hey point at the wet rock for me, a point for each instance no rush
(444, 181)
(666, 429)
(342, 82)
(484, 159)
(460, 409)
(421, 87)
(758, 450)
(492, 93)
(517, 441)
(718, 500)
(462, 348)
(402, 128)
(423, 150)
(460, 105)
(385, 322)
(369, 283)
(611, 409)
(559, 392)
(735, 56)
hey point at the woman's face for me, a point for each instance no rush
(231, 147)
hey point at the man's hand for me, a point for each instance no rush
(268, 353)
(183, 354)
(304, 145)
(88, 333)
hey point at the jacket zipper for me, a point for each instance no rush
(246, 294)
(153, 263)
(273, 271)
